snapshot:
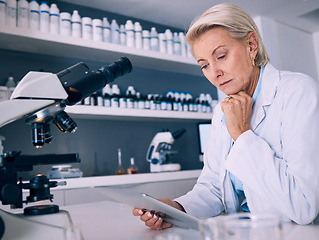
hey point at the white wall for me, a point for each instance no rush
(316, 49)
(289, 48)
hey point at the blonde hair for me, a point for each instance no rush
(235, 20)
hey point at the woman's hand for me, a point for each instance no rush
(237, 110)
(154, 221)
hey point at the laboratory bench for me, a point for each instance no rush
(113, 220)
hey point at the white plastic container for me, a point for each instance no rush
(44, 17)
(106, 30)
(76, 24)
(162, 42)
(54, 19)
(34, 15)
(23, 14)
(169, 41)
(154, 39)
(138, 35)
(122, 35)
(97, 27)
(177, 44)
(130, 34)
(65, 24)
(11, 15)
(146, 39)
(10, 83)
(183, 44)
(87, 28)
(115, 32)
(4, 93)
(3, 14)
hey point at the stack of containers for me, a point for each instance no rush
(49, 19)
(113, 97)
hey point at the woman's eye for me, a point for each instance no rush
(221, 57)
(204, 66)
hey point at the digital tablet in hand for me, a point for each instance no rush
(148, 203)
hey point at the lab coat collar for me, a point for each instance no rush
(269, 84)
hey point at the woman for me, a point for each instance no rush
(262, 153)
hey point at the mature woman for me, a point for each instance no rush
(262, 155)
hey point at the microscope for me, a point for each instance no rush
(40, 98)
(160, 151)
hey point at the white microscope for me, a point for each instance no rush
(41, 98)
(160, 151)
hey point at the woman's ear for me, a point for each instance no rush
(253, 44)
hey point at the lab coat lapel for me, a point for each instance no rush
(269, 84)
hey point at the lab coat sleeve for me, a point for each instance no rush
(289, 183)
(204, 199)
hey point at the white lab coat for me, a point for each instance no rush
(277, 160)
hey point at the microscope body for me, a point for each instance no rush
(40, 98)
(160, 151)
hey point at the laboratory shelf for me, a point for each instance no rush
(96, 112)
(141, 178)
(32, 41)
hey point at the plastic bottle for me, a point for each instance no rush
(106, 30)
(76, 24)
(99, 97)
(138, 35)
(122, 101)
(115, 96)
(11, 13)
(10, 83)
(93, 99)
(130, 96)
(147, 102)
(97, 30)
(65, 24)
(1, 146)
(119, 170)
(177, 44)
(54, 19)
(23, 14)
(87, 28)
(162, 42)
(169, 41)
(140, 100)
(115, 32)
(183, 44)
(34, 15)
(4, 93)
(154, 39)
(3, 13)
(44, 17)
(122, 35)
(133, 168)
(107, 93)
(130, 35)
(146, 39)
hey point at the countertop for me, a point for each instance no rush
(113, 220)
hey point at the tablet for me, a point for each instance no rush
(148, 203)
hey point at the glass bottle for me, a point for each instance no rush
(133, 168)
(119, 170)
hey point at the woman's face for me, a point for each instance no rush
(225, 61)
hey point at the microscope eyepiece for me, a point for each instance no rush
(116, 69)
(79, 82)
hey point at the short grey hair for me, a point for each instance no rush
(235, 20)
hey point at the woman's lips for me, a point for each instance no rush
(224, 83)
